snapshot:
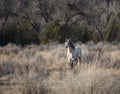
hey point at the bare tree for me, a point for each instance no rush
(98, 15)
(8, 10)
(39, 13)
(45, 9)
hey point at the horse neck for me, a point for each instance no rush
(70, 49)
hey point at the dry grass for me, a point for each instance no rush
(44, 70)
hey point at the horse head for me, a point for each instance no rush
(69, 43)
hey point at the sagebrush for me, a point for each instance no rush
(43, 69)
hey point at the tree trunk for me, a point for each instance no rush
(111, 32)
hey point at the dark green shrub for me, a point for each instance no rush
(25, 34)
(65, 33)
(9, 34)
(81, 33)
(20, 34)
(51, 32)
(95, 37)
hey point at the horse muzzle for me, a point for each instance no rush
(66, 46)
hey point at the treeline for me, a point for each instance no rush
(41, 21)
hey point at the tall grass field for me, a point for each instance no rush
(43, 69)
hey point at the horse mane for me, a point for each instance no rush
(72, 45)
(70, 42)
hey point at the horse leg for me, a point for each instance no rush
(72, 64)
(79, 61)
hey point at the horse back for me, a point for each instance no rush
(78, 51)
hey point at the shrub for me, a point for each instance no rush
(112, 32)
(53, 31)
(81, 33)
(9, 34)
(108, 30)
(95, 37)
(118, 30)
(25, 35)
(19, 34)
(50, 32)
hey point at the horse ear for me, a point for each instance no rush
(67, 40)
(70, 39)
